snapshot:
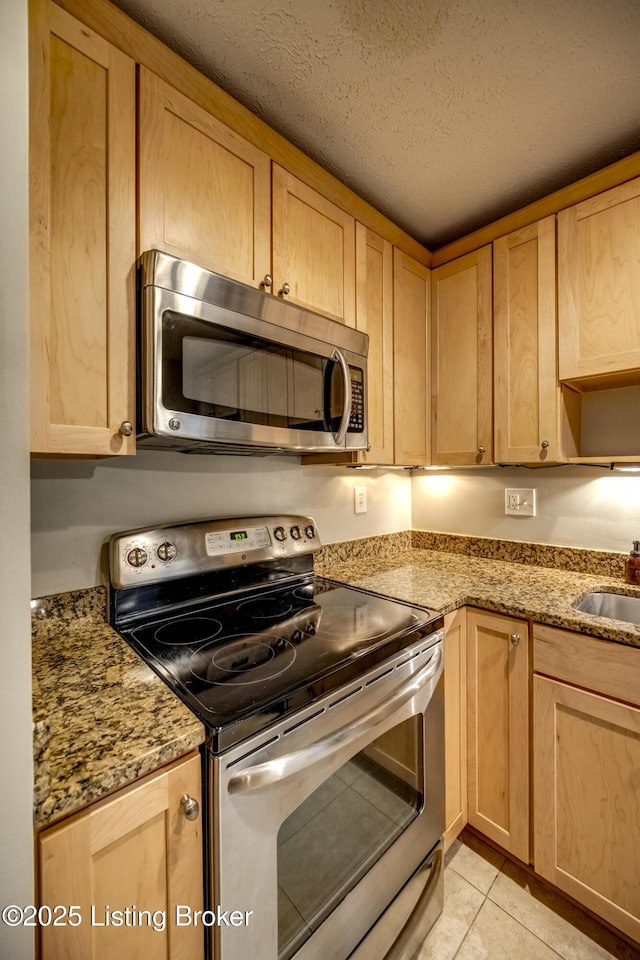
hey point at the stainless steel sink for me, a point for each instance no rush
(613, 605)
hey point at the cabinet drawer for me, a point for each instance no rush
(610, 668)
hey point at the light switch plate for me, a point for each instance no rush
(520, 502)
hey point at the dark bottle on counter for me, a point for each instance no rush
(632, 565)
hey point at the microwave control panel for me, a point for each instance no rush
(356, 420)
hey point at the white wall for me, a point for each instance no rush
(16, 797)
(77, 504)
(576, 506)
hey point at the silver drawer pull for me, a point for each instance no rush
(515, 639)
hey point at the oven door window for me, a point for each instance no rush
(337, 834)
(213, 371)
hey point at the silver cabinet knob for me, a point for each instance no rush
(126, 428)
(515, 639)
(284, 291)
(545, 444)
(267, 281)
(190, 807)
(482, 450)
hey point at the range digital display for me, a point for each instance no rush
(238, 534)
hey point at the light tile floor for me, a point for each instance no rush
(494, 910)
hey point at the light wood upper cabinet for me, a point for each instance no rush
(498, 729)
(586, 772)
(313, 249)
(411, 302)
(82, 237)
(526, 390)
(136, 850)
(374, 316)
(204, 191)
(461, 363)
(599, 285)
(455, 723)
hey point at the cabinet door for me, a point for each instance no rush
(599, 284)
(313, 249)
(374, 316)
(526, 389)
(82, 227)
(587, 800)
(205, 193)
(498, 729)
(135, 850)
(412, 424)
(455, 723)
(461, 385)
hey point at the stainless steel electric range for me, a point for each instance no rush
(323, 704)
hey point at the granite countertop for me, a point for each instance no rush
(102, 718)
(446, 581)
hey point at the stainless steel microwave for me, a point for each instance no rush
(226, 368)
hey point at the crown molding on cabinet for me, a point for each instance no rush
(611, 176)
(125, 34)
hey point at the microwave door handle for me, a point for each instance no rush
(346, 410)
(281, 768)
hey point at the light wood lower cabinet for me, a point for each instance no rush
(587, 773)
(455, 723)
(498, 729)
(82, 238)
(135, 850)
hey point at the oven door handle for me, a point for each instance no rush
(265, 774)
(346, 409)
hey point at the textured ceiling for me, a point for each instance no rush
(443, 114)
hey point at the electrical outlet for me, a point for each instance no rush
(360, 500)
(520, 502)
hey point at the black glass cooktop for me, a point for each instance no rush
(242, 662)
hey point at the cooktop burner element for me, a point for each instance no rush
(264, 608)
(199, 629)
(246, 635)
(243, 660)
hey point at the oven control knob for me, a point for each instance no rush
(296, 533)
(310, 531)
(137, 557)
(280, 533)
(167, 551)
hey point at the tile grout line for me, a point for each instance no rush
(515, 920)
(473, 919)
